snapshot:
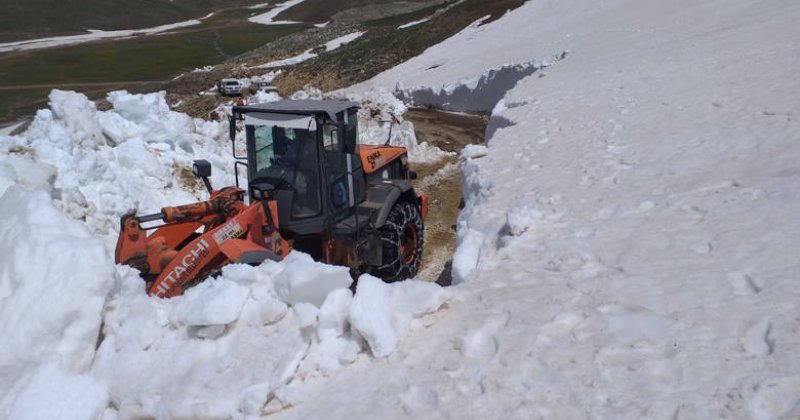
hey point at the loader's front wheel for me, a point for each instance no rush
(402, 242)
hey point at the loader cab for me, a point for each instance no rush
(303, 155)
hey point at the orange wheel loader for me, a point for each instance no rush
(310, 187)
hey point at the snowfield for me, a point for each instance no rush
(627, 249)
(268, 18)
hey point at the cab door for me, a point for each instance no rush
(335, 168)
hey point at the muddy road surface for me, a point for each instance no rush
(441, 181)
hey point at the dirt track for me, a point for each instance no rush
(441, 181)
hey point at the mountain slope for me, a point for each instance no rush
(352, 10)
(42, 18)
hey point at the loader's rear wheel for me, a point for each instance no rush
(402, 242)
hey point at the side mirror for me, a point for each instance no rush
(412, 174)
(202, 170)
(232, 128)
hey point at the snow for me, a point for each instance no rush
(204, 69)
(54, 278)
(295, 284)
(626, 249)
(342, 40)
(308, 54)
(414, 23)
(99, 165)
(380, 121)
(53, 393)
(234, 345)
(268, 18)
(291, 61)
(94, 35)
(7, 130)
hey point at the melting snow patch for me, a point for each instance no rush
(269, 17)
(414, 23)
(342, 40)
(308, 54)
(93, 35)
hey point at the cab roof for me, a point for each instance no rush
(301, 107)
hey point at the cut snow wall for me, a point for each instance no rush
(476, 95)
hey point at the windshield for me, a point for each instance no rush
(286, 158)
(232, 83)
(276, 149)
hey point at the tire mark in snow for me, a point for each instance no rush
(757, 339)
(744, 284)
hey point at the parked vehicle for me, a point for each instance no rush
(230, 87)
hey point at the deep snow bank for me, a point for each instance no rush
(239, 344)
(381, 121)
(638, 185)
(627, 245)
(98, 165)
(54, 278)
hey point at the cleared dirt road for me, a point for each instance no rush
(441, 181)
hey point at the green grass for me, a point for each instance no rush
(25, 101)
(150, 58)
(144, 58)
(40, 18)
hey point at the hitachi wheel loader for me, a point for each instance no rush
(310, 187)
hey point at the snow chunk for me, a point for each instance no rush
(381, 312)
(465, 260)
(371, 316)
(137, 156)
(25, 172)
(138, 108)
(380, 119)
(303, 280)
(215, 302)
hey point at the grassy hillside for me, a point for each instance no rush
(138, 64)
(40, 18)
(385, 46)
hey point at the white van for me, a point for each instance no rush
(227, 87)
